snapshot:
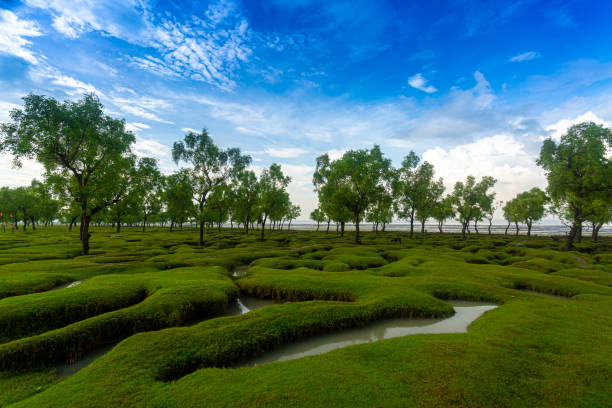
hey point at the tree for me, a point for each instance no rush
(292, 214)
(272, 185)
(247, 193)
(211, 167)
(177, 196)
(416, 190)
(317, 215)
(354, 180)
(512, 214)
(331, 203)
(381, 209)
(80, 147)
(147, 188)
(48, 207)
(530, 207)
(579, 173)
(602, 215)
(443, 210)
(468, 199)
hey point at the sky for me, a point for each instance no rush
(473, 87)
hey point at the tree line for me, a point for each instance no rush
(93, 176)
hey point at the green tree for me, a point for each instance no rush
(317, 215)
(211, 167)
(331, 203)
(531, 207)
(469, 199)
(146, 187)
(579, 173)
(443, 210)
(416, 190)
(247, 193)
(177, 195)
(292, 214)
(354, 180)
(80, 147)
(272, 185)
(512, 214)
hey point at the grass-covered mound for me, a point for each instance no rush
(534, 350)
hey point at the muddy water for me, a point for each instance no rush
(465, 313)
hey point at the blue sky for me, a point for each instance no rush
(472, 86)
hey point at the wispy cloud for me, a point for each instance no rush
(286, 152)
(419, 82)
(13, 34)
(526, 56)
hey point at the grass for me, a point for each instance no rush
(140, 288)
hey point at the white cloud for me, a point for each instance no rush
(136, 126)
(248, 131)
(501, 156)
(527, 56)
(143, 107)
(71, 86)
(560, 127)
(188, 129)
(419, 82)
(286, 152)
(5, 109)
(15, 177)
(12, 36)
(300, 189)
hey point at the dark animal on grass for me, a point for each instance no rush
(396, 240)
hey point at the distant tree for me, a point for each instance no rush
(443, 210)
(355, 180)
(247, 194)
(531, 207)
(380, 211)
(579, 173)
(217, 205)
(211, 167)
(512, 214)
(79, 146)
(416, 191)
(177, 196)
(317, 215)
(489, 212)
(272, 185)
(292, 214)
(602, 214)
(146, 186)
(468, 199)
(331, 203)
(48, 206)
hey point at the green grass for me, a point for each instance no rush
(533, 350)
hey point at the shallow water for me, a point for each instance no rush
(244, 304)
(240, 271)
(69, 285)
(465, 313)
(64, 370)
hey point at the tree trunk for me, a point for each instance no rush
(507, 228)
(118, 225)
(33, 224)
(357, 241)
(463, 228)
(201, 233)
(171, 225)
(411, 224)
(85, 235)
(595, 233)
(490, 223)
(246, 227)
(572, 235)
(476, 227)
(144, 223)
(328, 222)
(579, 235)
(342, 229)
(318, 223)
(529, 224)
(517, 228)
(440, 226)
(423, 227)
(72, 221)
(289, 226)
(263, 227)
